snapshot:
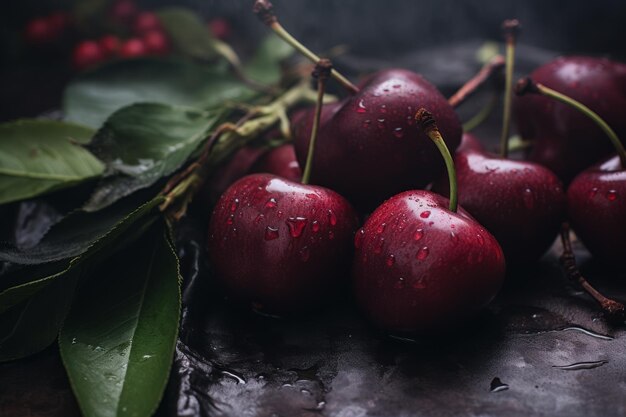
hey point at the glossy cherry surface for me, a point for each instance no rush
(565, 140)
(596, 205)
(369, 147)
(419, 267)
(521, 203)
(280, 245)
(280, 161)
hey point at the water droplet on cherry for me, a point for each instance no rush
(419, 233)
(611, 195)
(383, 108)
(391, 259)
(379, 245)
(529, 199)
(358, 238)
(366, 123)
(593, 192)
(361, 108)
(399, 284)
(381, 123)
(332, 219)
(296, 225)
(422, 253)
(398, 132)
(315, 226)
(381, 228)
(271, 233)
(425, 214)
(271, 203)
(231, 219)
(234, 204)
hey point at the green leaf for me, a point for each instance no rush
(100, 242)
(94, 96)
(142, 143)
(188, 33)
(118, 340)
(40, 156)
(33, 325)
(264, 67)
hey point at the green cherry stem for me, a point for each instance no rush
(428, 125)
(322, 71)
(510, 29)
(265, 12)
(527, 85)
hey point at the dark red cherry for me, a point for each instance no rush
(419, 267)
(110, 45)
(156, 42)
(145, 22)
(39, 31)
(596, 205)
(280, 161)
(123, 11)
(565, 140)
(132, 48)
(87, 54)
(521, 203)
(280, 245)
(368, 145)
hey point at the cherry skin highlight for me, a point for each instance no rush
(419, 267)
(369, 147)
(596, 205)
(565, 140)
(521, 203)
(279, 245)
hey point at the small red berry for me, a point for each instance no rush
(132, 48)
(110, 45)
(39, 31)
(87, 54)
(145, 22)
(220, 28)
(59, 22)
(123, 11)
(156, 42)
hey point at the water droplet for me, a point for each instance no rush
(383, 108)
(454, 237)
(258, 218)
(271, 233)
(422, 253)
(593, 192)
(305, 254)
(581, 365)
(358, 238)
(611, 195)
(315, 226)
(529, 199)
(480, 239)
(398, 132)
(238, 378)
(234, 204)
(331, 235)
(418, 284)
(419, 233)
(381, 228)
(146, 357)
(381, 123)
(410, 120)
(497, 385)
(361, 108)
(305, 391)
(425, 214)
(74, 341)
(279, 213)
(332, 219)
(366, 123)
(271, 203)
(391, 259)
(379, 245)
(399, 284)
(296, 225)
(230, 220)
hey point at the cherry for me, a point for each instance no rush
(280, 245)
(220, 28)
(368, 150)
(420, 266)
(280, 161)
(59, 21)
(123, 11)
(39, 31)
(110, 45)
(87, 54)
(563, 140)
(132, 48)
(146, 22)
(521, 203)
(156, 42)
(596, 206)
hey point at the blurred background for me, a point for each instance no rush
(439, 38)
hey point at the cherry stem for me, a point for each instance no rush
(265, 12)
(482, 115)
(428, 124)
(510, 28)
(470, 87)
(528, 85)
(321, 72)
(613, 310)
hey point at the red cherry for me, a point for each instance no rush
(87, 54)
(156, 42)
(110, 45)
(133, 47)
(39, 31)
(145, 22)
(123, 11)
(280, 161)
(280, 245)
(419, 267)
(220, 28)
